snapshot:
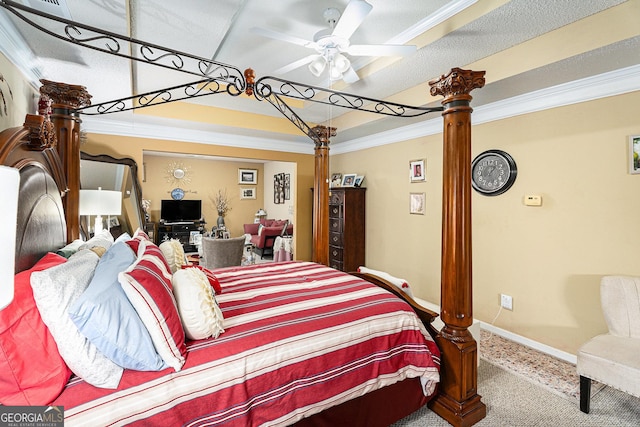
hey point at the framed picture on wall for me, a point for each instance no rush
(247, 176)
(287, 186)
(417, 172)
(247, 193)
(416, 203)
(634, 154)
(278, 188)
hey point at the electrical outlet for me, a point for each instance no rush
(506, 301)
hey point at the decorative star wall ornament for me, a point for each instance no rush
(2, 97)
(178, 173)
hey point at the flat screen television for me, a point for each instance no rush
(180, 210)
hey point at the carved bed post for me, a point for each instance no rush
(321, 194)
(65, 100)
(458, 401)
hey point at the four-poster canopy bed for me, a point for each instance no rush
(46, 151)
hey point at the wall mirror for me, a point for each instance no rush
(110, 173)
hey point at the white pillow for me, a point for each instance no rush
(54, 291)
(174, 254)
(399, 283)
(199, 311)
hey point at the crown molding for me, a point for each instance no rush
(439, 16)
(612, 83)
(185, 134)
(17, 51)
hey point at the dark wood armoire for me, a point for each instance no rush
(346, 228)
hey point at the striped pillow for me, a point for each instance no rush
(147, 284)
(138, 237)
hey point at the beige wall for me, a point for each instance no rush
(203, 180)
(20, 97)
(242, 210)
(284, 210)
(550, 259)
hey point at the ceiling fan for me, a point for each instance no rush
(331, 44)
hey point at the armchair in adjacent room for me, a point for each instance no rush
(263, 234)
(218, 253)
(612, 358)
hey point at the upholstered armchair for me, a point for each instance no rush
(219, 253)
(613, 358)
(263, 235)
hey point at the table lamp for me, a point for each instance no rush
(260, 215)
(100, 202)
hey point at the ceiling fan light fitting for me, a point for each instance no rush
(335, 73)
(341, 63)
(317, 66)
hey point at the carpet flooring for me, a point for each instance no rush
(558, 376)
(522, 387)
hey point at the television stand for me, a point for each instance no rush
(182, 231)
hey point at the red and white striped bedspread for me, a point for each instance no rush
(299, 337)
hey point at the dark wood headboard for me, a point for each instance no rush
(41, 225)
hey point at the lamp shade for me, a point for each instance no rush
(10, 179)
(100, 202)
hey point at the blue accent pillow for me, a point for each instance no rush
(105, 316)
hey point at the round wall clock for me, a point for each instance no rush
(177, 194)
(493, 172)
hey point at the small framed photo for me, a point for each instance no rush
(416, 203)
(287, 186)
(247, 176)
(358, 181)
(417, 172)
(634, 154)
(348, 179)
(226, 235)
(247, 193)
(336, 179)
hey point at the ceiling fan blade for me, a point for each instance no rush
(264, 32)
(350, 76)
(351, 18)
(296, 64)
(380, 49)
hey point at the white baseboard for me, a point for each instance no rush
(543, 348)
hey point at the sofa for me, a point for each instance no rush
(263, 234)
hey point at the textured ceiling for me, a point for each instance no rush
(494, 35)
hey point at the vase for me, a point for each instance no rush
(220, 222)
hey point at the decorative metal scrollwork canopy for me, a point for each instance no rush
(218, 77)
